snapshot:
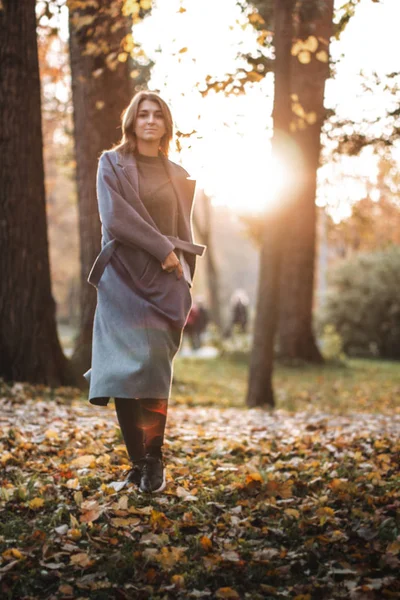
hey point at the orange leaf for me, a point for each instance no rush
(90, 516)
(81, 560)
(206, 543)
(227, 593)
(178, 581)
(11, 553)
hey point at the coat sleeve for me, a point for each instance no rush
(122, 220)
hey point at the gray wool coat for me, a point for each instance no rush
(141, 309)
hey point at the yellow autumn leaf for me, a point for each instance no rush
(292, 512)
(73, 521)
(74, 534)
(322, 56)
(297, 109)
(108, 490)
(256, 19)
(254, 76)
(384, 458)
(297, 46)
(325, 510)
(5, 457)
(339, 484)
(78, 497)
(310, 44)
(158, 520)
(311, 118)
(12, 553)
(87, 459)
(122, 57)
(51, 434)
(146, 4)
(127, 43)
(130, 7)
(304, 57)
(253, 477)
(36, 503)
(100, 104)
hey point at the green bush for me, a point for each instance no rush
(363, 304)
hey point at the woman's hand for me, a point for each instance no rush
(171, 263)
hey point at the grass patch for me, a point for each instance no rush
(359, 385)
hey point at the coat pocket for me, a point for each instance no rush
(147, 266)
(143, 265)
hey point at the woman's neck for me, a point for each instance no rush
(147, 149)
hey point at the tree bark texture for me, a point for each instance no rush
(100, 90)
(296, 337)
(204, 230)
(29, 346)
(260, 386)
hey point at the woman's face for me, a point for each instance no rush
(150, 126)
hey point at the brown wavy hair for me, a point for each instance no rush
(128, 144)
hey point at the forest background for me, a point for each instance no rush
(356, 195)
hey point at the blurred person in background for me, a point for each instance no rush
(197, 322)
(239, 312)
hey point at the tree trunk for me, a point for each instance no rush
(260, 388)
(296, 339)
(204, 231)
(29, 345)
(100, 92)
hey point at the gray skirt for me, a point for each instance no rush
(138, 325)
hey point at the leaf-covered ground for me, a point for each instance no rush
(302, 505)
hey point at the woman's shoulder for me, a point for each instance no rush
(178, 169)
(109, 156)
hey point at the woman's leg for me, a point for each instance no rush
(154, 417)
(142, 423)
(129, 417)
(153, 421)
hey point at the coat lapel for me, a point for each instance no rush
(184, 190)
(129, 167)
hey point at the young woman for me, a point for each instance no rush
(143, 276)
